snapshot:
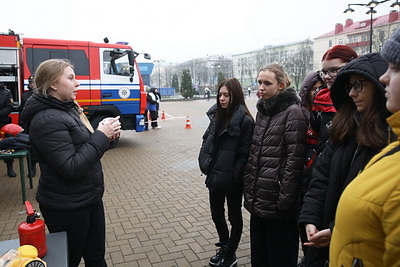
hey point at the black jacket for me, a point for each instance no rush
(223, 156)
(338, 165)
(275, 166)
(69, 155)
(6, 106)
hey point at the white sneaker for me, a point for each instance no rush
(156, 128)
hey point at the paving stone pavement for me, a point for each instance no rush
(157, 211)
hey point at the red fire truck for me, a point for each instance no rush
(109, 77)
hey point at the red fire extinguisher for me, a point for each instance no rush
(32, 232)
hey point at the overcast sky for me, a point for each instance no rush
(179, 30)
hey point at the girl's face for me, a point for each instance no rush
(330, 69)
(268, 84)
(66, 87)
(391, 78)
(314, 88)
(361, 90)
(224, 97)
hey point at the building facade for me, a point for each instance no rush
(296, 58)
(357, 35)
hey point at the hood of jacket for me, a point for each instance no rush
(279, 102)
(307, 84)
(371, 66)
(39, 102)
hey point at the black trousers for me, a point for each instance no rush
(274, 243)
(85, 230)
(153, 117)
(234, 204)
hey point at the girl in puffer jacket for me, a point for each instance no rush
(223, 156)
(274, 170)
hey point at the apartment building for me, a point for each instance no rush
(357, 35)
(295, 57)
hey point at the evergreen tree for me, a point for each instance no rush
(175, 82)
(221, 77)
(186, 84)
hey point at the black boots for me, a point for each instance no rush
(217, 257)
(224, 257)
(228, 259)
(10, 171)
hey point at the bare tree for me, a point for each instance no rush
(380, 35)
(299, 64)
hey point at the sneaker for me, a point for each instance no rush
(214, 260)
(156, 128)
(228, 259)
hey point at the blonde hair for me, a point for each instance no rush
(83, 118)
(280, 74)
(49, 72)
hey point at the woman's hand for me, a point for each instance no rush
(111, 128)
(317, 238)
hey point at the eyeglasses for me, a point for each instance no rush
(356, 86)
(333, 72)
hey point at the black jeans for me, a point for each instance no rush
(273, 242)
(85, 229)
(234, 203)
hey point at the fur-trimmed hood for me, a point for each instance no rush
(279, 102)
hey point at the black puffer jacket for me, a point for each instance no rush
(223, 157)
(275, 166)
(6, 106)
(69, 155)
(337, 166)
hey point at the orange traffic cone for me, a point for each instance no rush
(188, 125)
(163, 116)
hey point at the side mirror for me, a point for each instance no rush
(147, 56)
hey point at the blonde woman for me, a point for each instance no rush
(71, 183)
(274, 170)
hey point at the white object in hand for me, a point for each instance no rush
(106, 120)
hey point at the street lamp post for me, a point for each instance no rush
(371, 5)
(215, 77)
(159, 73)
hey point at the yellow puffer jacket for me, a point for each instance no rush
(367, 224)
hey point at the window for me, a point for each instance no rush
(78, 58)
(355, 38)
(116, 63)
(330, 43)
(351, 39)
(341, 42)
(364, 37)
(363, 24)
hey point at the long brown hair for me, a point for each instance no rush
(371, 131)
(236, 99)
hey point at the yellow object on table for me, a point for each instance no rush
(24, 256)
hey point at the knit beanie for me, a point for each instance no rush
(391, 49)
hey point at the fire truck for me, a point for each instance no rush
(109, 77)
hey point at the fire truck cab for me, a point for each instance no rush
(109, 77)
